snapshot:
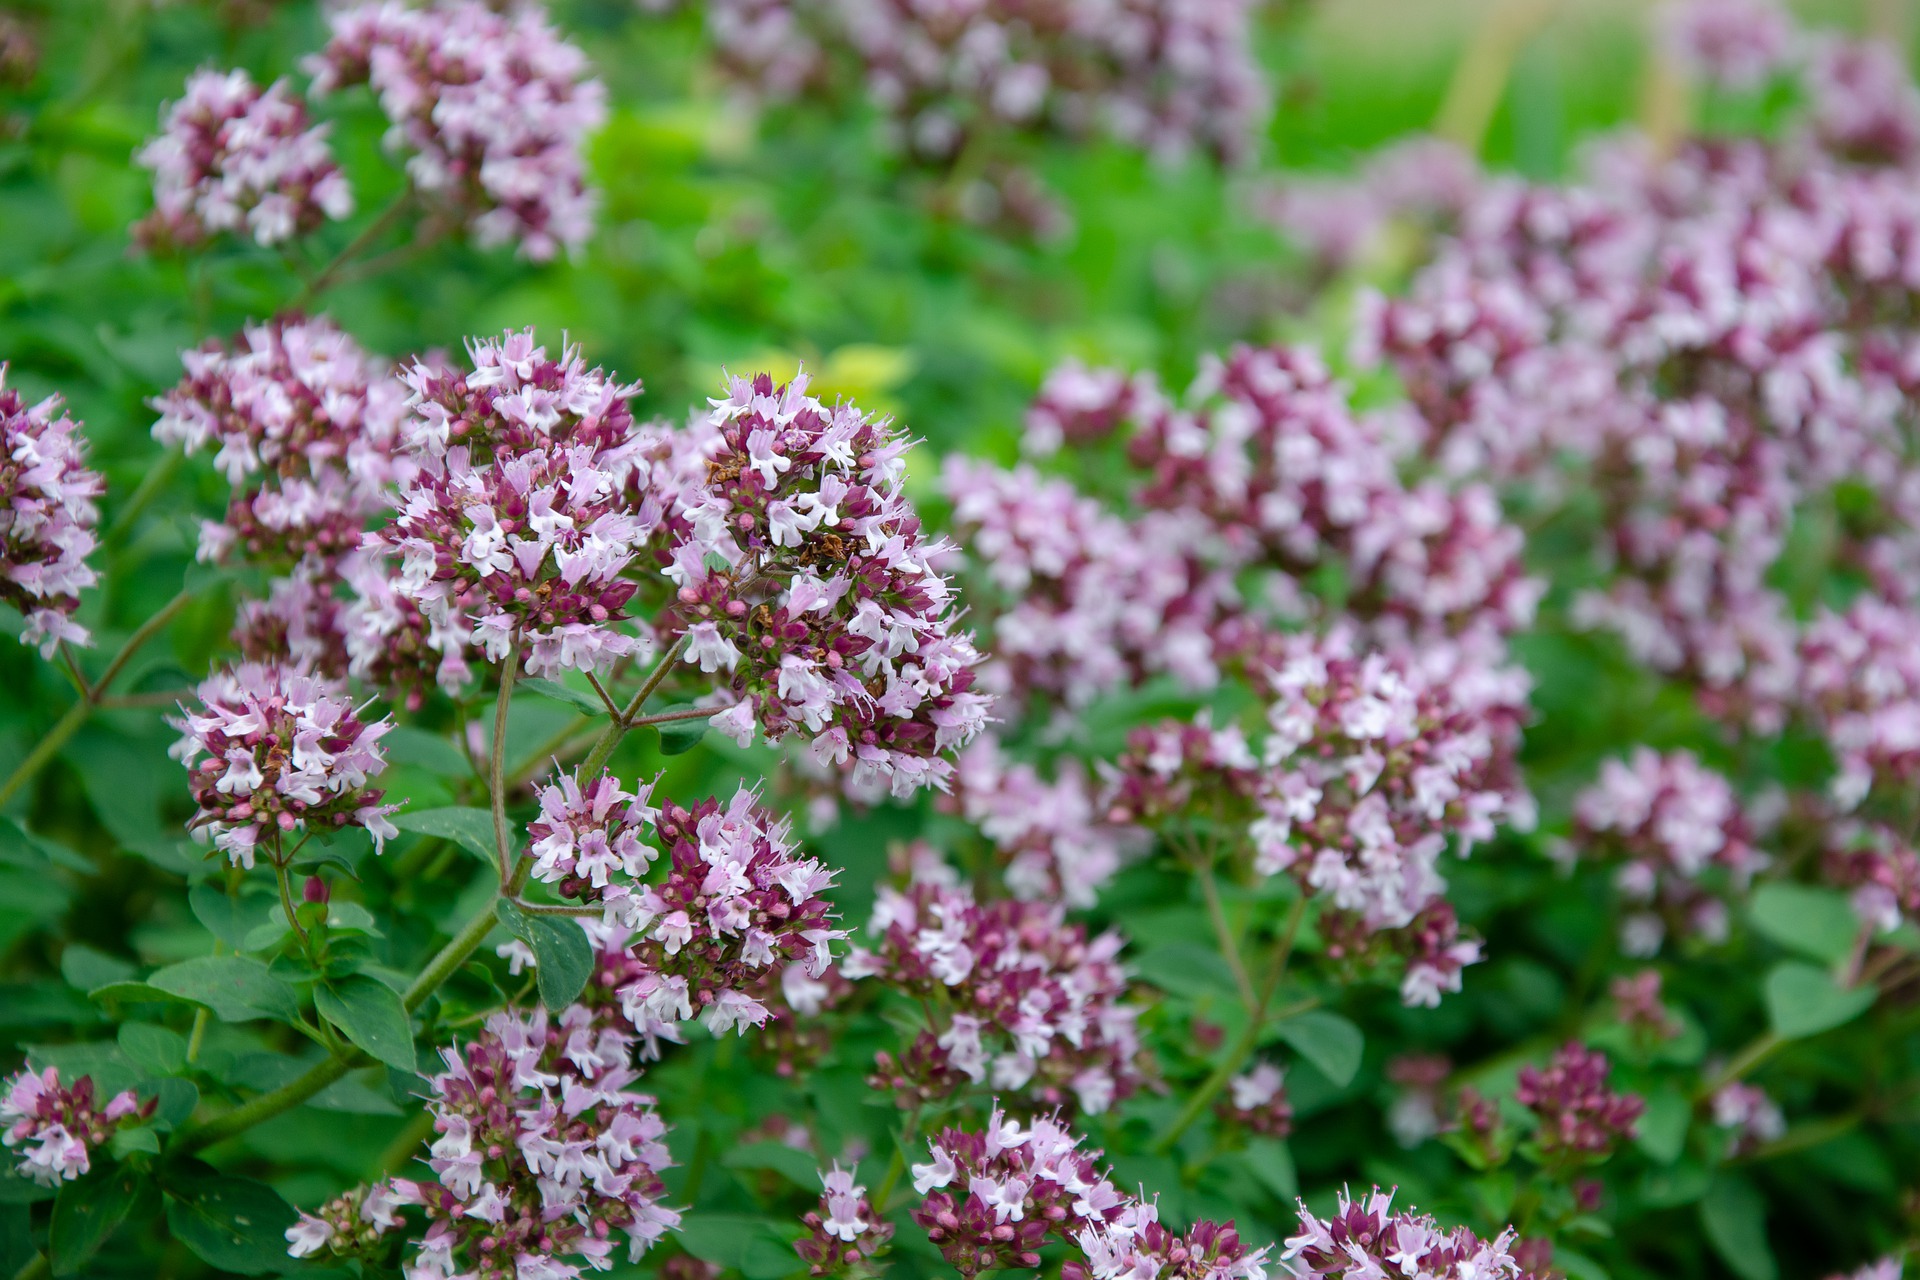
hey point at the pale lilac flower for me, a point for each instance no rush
(1365, 1239)
(47, 518)
(233, 157)
(1257, 1100)
(57, 1126)
(493, 106)
(1732, 43)
(1749, 1116)
(845, 1229)
(1136, 1245)
(284, 752)
(305, 427)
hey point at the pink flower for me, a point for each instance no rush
(47, 518)
(57, 1127)
(233, 157)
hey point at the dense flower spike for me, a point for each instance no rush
(1682, 838)
(1735, 44)
(285, 752)
(804, 576)
(995, 1196)
(844, 1231)
(1171, 77)
(1030, 1003)
(57, 1126)
(1424, 182)
(493, 107)
(393, 642)
(47, 518)
(543, 1153)
(1581, 1118)
(1860, 678)
(519, 524)
(737, 909)
(1138, 1245)
(304, 425)
(1365, 770)
(1365, 1238)
(231, 156)
(1880, 867)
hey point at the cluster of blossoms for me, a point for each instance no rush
(1581, 1117)
(1668, 820)
(1880, 867)
(1257, 1101)
(994, 1197)
(284, 752)
(305, 427)
(845, 1230)
(1365, 1238)
(47, 518)
(803, 574)
(736, 908)
(1034, 1006)
(1086, 601)
(57, 1125)
(233, 157)
(1421, 182)
(1051, 836)
(1860, 678)
(1734, 44)
(1637, 1007)
(493, 106)
(519, 521)
(1366, 769)
(543, 1153)
(1138, 1245)
(1171, 77)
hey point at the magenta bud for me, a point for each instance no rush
(315, 890)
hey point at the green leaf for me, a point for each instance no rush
(176, 1100)
(1803, 1000)
(1662, 1132)
(142, 1138)
(406, 744)
(563, 957)
(586, 701)
(1186, 969)
(1327, 1040)
(23, 848)
(471, 829)
(227, 918)
(157, 1051)
(1818, 923)
(1272, 1163)
(235, 1224)
(1734, 1214)
(677, 737)
(748, 1245)
(88, 969)
(236, 988)
(372, 1017)
(795, 1165)
(86, 1212)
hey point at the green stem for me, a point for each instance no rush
(450, 957)
(151, 484)
(497, 766)
(1249, 1038)
(46, 749)
(357, 246)
(1223, 932)
(263, 1108)
(609, 739)
(36, 1267)
(1757, 1052)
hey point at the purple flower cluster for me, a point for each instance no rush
(1365, 1238)
(47, 518)
(1681, 837)
(305, 427)
(543, 1152)
(845, 1231)
(1256, 1100)
(994, 1197)
(233, 157)
(1365, 771)
(804, 576)
(519, 520)
(494, 107)
(1029, 1003)
(1732, 44)
(736, 910)
(1880, 867)
(1171, 77)
(1340, 222)
(1138, 1245)
(1749, 1117)
(1860, 680)
(284, 752)
(1050, 836)
(1580, 1117)
(57, 1126)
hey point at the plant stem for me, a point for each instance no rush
(156, 479)
(610, 738)
(286, 905)
(265, 1107)
(449, 958)
(357, 246)
(1223, 932)
(497, 765)
(1758, 1051)
(36, 1267)
(1249, 1038)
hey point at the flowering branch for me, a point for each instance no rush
(624, 721)
(497, 766)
